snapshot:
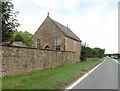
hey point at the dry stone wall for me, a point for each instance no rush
(16, 60)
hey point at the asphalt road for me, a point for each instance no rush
(104, 77)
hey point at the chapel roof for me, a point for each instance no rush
(66, 30)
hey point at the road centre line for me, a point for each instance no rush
(81, 78)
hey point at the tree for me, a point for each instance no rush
(99, 52)
(88, 52)
(83, 52)
(26, 37)
(9, 23)
(18, 37)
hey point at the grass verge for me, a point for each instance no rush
(50, 78)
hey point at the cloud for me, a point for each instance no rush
(29, 22)
(94, 23)
(97, 27)
(47, 3)
(70, 4)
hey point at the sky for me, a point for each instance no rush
(95, 22)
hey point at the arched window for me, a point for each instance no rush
(37, 44)
(57, 44)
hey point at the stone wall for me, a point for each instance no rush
(17, 60)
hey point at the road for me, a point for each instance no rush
(104, 77)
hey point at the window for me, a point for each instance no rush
(37, 44)
(57, 44)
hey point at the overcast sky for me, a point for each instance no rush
(93, 21)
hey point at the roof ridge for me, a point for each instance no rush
(66, 28)
(55, 23)
(59, 23)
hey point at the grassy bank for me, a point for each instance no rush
(48, 78)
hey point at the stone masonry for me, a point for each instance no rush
(16, 60)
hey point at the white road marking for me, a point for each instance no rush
(116, 61)
(80, 79)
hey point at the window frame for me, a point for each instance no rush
(38, 43)
(57, 44)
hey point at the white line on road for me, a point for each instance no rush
(80, 79)
(116, 61)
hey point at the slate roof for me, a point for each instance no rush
(65, 30)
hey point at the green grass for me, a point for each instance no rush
(50, 78)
